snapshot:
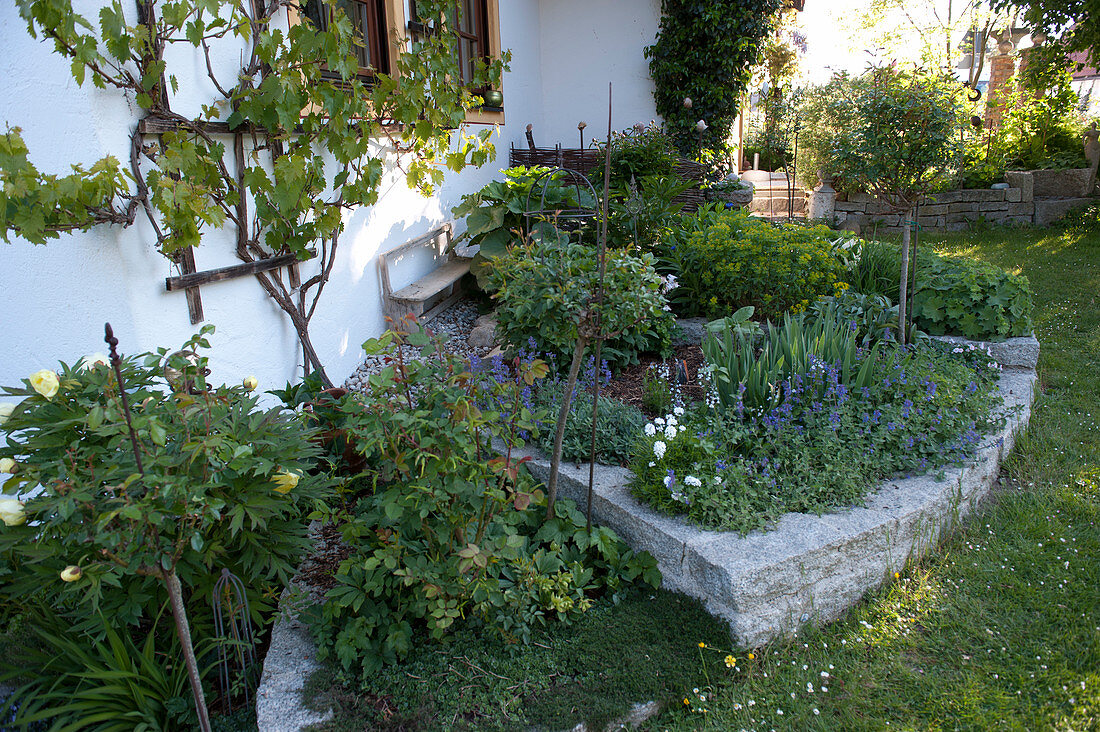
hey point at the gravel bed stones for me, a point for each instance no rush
(455, 324)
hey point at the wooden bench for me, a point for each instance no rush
(433, 293)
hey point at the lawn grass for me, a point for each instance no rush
(646, 647)
(999, 627)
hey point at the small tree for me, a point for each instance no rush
(893, 133)
(289, 141)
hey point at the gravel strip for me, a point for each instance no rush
(454, 323)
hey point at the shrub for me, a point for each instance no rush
(544, 289)
(221, 484)
(823, 445)
(450, 529)
(639, 152)
(728, 260)
(209, 494)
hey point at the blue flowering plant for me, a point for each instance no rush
(814, 432)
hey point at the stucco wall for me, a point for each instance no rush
(584, 45)
(55, 299)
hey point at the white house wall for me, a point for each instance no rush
(584, 45)
(54, 299)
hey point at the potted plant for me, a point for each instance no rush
(732, 190)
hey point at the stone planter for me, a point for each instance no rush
(1071, 183)
(739, 197)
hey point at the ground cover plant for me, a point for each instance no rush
(998, 627)
(809, 420)
(953, 295)
(593, 671)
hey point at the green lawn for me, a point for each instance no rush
(1000, 627)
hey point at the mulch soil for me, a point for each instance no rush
(627, 385)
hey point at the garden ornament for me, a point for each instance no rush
(1092, 154)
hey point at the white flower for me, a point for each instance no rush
(659, 448)
(652, 464)
(660, 422)
(7, 465)
(809, 687)
(650, 430)
(11, 512)
(96, 359)
(6, 408)
(672, 421)
(693, 481)
(670, 432)
(718, 480)
(683, 427)
(678, 496)
(678, 411)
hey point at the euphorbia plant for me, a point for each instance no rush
(182, 480)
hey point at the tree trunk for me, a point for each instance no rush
(179, 614)
(559, 434)
(904, 289)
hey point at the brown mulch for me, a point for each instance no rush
(319, 570)
(627, 385)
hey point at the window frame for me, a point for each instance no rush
(489, 26)
(386, 17)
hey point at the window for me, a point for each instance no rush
(369, 19)
(470, 21)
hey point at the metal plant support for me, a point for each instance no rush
(590, 328)
(233, 635)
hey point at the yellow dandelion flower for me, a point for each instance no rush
(752, 656)
(897, 575)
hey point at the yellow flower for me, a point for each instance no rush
(752, 656)
(71, 573)
(250, 383)
(686, 703)
(896, 575)
(730, 661)
(6, 408)
(286, 480)
(45, 382)
(11, 512)
(702, 644)
(7, 465)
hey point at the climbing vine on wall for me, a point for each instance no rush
(285, 144)
(706, 51)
